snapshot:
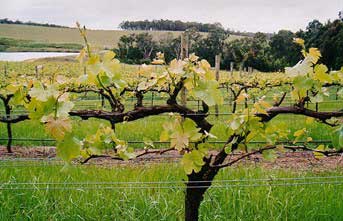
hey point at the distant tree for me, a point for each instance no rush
(261, 51)
(211, 45)
(248, 52)
(170, 46)
(283, 49)
(136, 48)
(145, 44)
(17, 22)
(169, 25)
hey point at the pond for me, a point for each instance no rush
(22, 56)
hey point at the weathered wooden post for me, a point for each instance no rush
(152, 98)
(217, 67)
(231, 67)
(36, 71)
(5, 67)
(183, 55)
(232, 64)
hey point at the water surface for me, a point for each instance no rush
(22, 56)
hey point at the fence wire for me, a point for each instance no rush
(177, 186)
(168, 142)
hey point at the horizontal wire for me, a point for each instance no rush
(179, 187)
(175, 182)
(161, 115)
(166, 142)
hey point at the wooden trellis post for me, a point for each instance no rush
(183, 55)
(5, 67)
(36, 71)
(217, 67)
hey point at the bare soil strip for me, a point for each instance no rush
(289, 160)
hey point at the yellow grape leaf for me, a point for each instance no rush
(259, 109)
(12, 88)
(299, 133)
(299, 41)
(176, 66)
(265, 104)
(320, 73)
(309, 139)
(109, 55)
(309, 120)
(242, 97)
(193, 57)
(82, 56)
(58, 127)
(160, 55)
(164, 136)
(315, 54)
(179, 140)
(157, 62)
(94, 59)
(205, 65)
(318, 155)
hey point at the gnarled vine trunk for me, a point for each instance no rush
(193, 199)
(6, 101)
(197, 185)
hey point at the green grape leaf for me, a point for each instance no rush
(189, 127)
(42, 94)
(192, 161)
(64, 108)
(68, 148)
(208, 92)
(164, 136)
(38, 109)
(337, 138)
(180, 132)
(340, 93)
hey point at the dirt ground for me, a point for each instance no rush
(288, 160)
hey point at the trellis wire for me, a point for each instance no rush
(148, 104)
(180, 182)
(176, 186)
(167, 142)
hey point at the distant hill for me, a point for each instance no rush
(18, 22)
(98, 38)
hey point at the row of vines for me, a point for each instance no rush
(51, 100)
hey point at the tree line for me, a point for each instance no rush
(18, 22)
(169, 25)
(262, 51)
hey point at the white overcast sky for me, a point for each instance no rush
(243, 15)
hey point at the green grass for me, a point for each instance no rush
(148, 127)
(13, 45)
(151, 127)
(100, 38)
(301, 202)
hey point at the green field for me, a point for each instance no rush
(151, 127)
(99, 38)
(52, 194)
